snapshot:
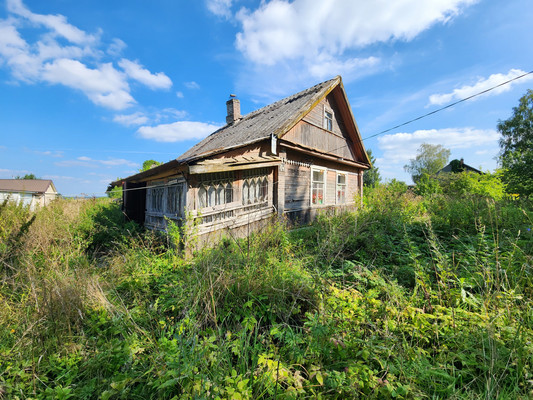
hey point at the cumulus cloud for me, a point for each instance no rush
(56, 23)
(400, 147)
(177, 131)
(103, 85)
(281, 30)
(137, 118)
(75, 63)
(481, 85)
(221, 8)
(136, 71)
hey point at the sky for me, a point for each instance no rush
(90, 89)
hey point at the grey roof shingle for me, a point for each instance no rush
(24, 185)
(260, 124)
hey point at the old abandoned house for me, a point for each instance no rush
(294, 157)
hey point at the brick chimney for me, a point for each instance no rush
(234, 109)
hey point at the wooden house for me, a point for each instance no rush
(457, 166)
(292, 158)
(28, 192)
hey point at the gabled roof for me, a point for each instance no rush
(258, 125)
(460, 166)
(25, 185)
(274, 119)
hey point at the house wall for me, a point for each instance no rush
(296, 179)
(311, 133)
(29, 199)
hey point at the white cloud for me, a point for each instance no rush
(57, 23)
(135, 71)
(89, 162)
(179, 95)
(177, 131)
(104, 85)
(323, 65)
(137, 118)
(481, 85)
(400, 147)
(51, 153)
(76, 65)
(116, 47)
(221, 8)
(281, 30)
(192, 85)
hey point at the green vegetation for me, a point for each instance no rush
(149, 164)
(372, 177)
(409, 297)
(516, 145)
(27, 176)
(429, 160)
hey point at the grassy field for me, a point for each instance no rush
(413, 296)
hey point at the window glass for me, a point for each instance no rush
(341, 188)
(328, 120)
(255, 186)
(317, 187)
(215, 189)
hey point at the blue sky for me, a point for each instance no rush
(90, 89)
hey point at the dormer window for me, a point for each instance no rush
(328, 120)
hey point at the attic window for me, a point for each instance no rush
(328, 120)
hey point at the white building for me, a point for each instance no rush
(29, 192)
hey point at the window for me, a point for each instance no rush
(174, 205)
(166, 198)
(328, 120)
(341, 188)
(215, 189)
(317, 186)
(156, 198)
(255, 186)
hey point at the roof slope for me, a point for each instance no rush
(260, 124)
(25, 185)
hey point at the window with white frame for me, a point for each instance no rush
(328, 119)
(215, 189)
(255, 186)
(341, 188)
(318, 184)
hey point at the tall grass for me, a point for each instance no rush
(410, 297)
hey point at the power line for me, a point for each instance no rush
(448, 106)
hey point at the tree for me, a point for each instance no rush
(429, 160)
(516, 147)
(371, 177)
(149, 164)
(27, 176)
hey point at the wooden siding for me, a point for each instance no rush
(316, 115)
(331, 187)
(297, 187)
(352, 188)
(310, 132)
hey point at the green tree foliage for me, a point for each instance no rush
(27, 176)
(114, 192)
(429, 160)
(149, 164)
(516, 145)
(371, 178)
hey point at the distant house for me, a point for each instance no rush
(28, 192)
(456, 166)
(294, 157)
